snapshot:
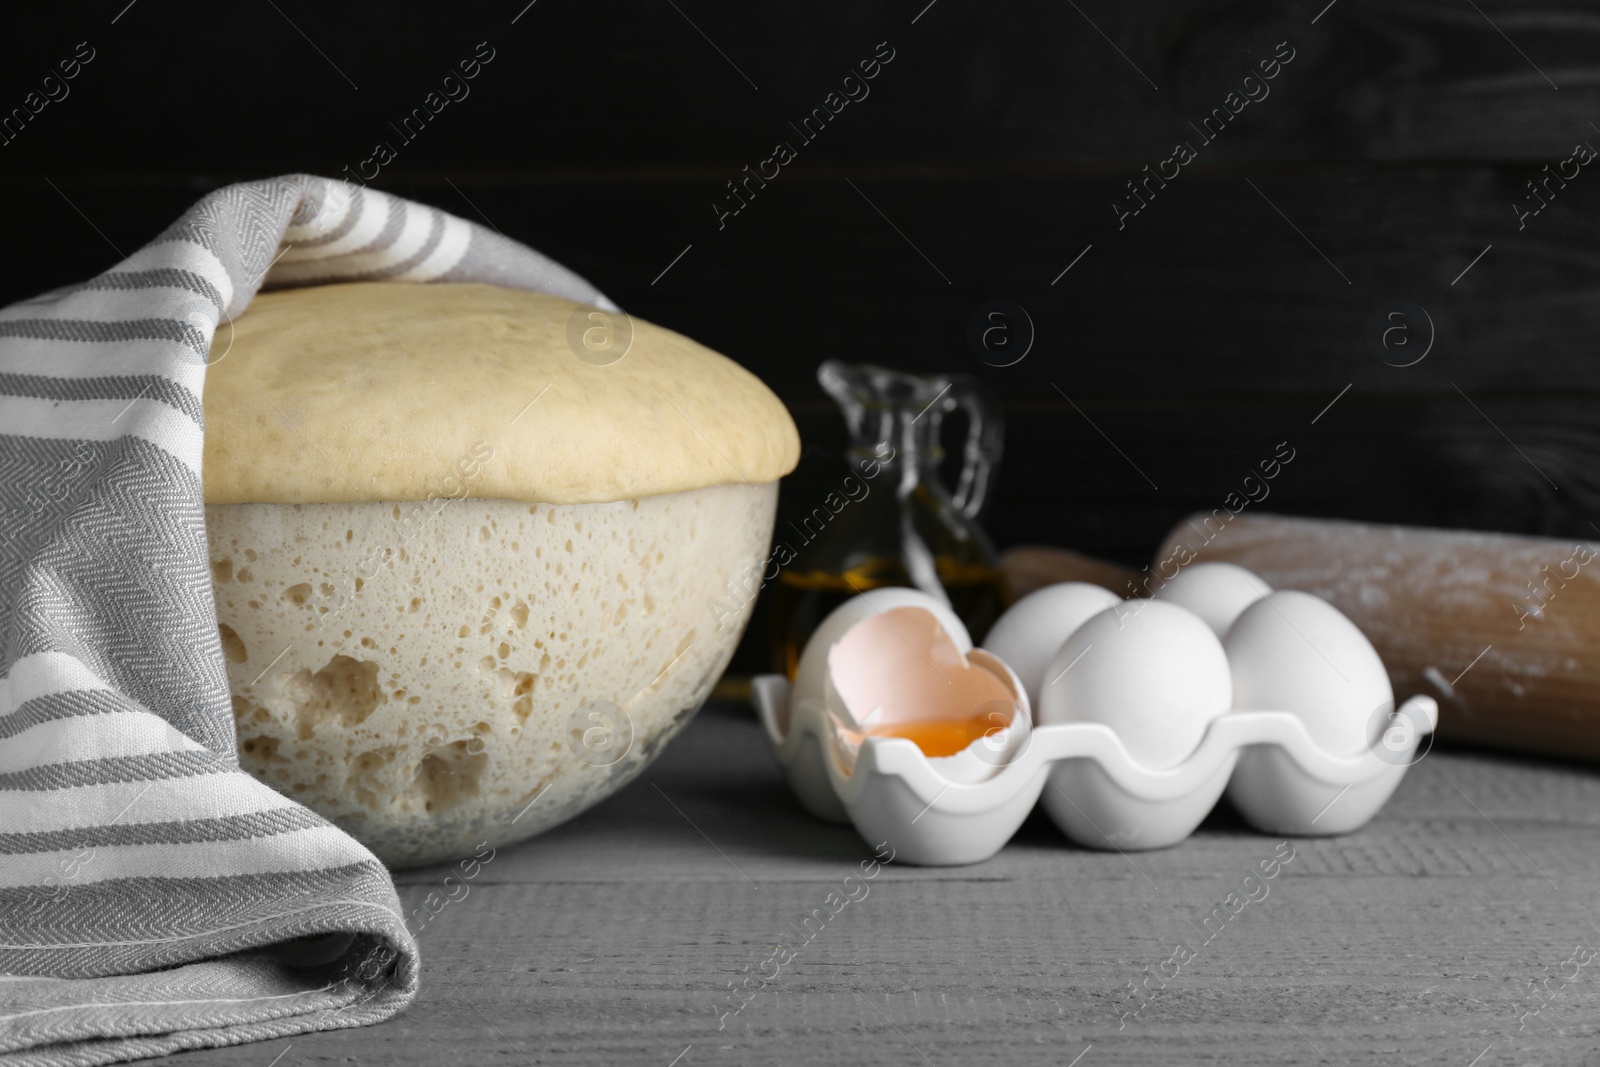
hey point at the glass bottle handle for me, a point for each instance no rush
(985, 432)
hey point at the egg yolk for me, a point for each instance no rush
(942, 738)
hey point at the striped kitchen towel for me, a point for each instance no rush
(153, 897)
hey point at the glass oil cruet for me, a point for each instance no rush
(891, 521)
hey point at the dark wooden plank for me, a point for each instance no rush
(613, 85)
(610, 940)
(1436, 462)
(1210, 290)
(1439, 462)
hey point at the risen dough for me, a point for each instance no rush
(428, 685)
(378, 391)
(444, 532)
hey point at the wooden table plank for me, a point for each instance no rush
(613, 939)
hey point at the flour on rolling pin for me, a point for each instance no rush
(1503, 630)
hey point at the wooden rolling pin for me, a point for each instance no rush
(1504, 631)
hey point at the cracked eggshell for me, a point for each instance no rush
(1217, 592)
(1292, 651)
(810, 679)
(1027, 636)
(1152, 671)
(901, 674)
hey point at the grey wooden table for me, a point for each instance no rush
(1458, 928)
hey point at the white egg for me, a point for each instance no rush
(1217, 592)
(1153, 672)
(1291, 651)
(810, 679)
(1033, 628)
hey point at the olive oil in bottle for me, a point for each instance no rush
(898, 525)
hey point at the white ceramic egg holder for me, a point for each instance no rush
(1274, 772)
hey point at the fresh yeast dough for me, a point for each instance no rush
(377, 391)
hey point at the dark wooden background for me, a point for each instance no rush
(1196, 338)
